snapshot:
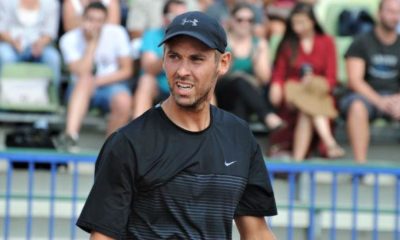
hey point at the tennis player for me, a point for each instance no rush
(184, 169)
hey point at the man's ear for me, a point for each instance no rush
(163, 57)
(224, 63)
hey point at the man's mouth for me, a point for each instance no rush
(184, 85)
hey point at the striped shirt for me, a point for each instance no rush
(155, 180)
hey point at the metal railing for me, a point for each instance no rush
(53, 158)
(304, 195)
(355, 173)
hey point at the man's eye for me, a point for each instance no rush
(197, 59)
(173, 56)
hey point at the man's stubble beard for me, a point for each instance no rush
(387, 27)
(196, 104)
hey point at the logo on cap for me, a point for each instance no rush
(193, 22)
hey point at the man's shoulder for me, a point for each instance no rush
(360, 44)
(112, 31)
(154, 32)
(113, 28)
(72, 39)
(71, 35)
(364, 38)
(148, 121)
(151, 38)
(228, 120)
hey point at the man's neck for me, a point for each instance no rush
(386, 37)
(193, 120)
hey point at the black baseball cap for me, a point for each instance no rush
(200, 26)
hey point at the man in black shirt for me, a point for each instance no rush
(373, 67)
(184, 169)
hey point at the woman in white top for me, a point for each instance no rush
(73, 11)
(28, 29)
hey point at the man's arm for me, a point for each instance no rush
(114, 15)
(151, 63)
(99, 236)
(84, 65)
(70, 19)
(16, 43)
(253, 228)
(261, 64)
(124, 72)
(355, 71)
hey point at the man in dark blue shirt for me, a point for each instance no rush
(184, 169)
(373, 63)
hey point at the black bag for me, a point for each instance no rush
(30, 137)
(352, 22)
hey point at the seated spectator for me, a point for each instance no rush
(98, 57)
(144, 15)
(373, 63)
(73, 11)
(153, 84)
(304, 42)
(221, 10)
(27, 31)
(277, 12)
(241, 90)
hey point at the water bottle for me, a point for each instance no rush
(42, 124)
(305, 69)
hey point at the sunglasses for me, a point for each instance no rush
(240, 20)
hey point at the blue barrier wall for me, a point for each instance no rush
(335, 169)
(292, 176)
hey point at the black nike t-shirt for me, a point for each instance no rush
(155, 180)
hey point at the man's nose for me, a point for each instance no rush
(183, 69)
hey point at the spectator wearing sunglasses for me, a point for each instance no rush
(221, 10)
(241, 90)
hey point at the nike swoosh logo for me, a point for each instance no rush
(229, 163)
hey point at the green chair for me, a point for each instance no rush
(342, 44)
(26, 72)
(273, 44)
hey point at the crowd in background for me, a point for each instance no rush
(106, 53)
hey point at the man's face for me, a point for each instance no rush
(93, 20)
(389, 14)
(192, 70)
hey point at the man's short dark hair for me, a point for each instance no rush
(95, 5)
(169, 3)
